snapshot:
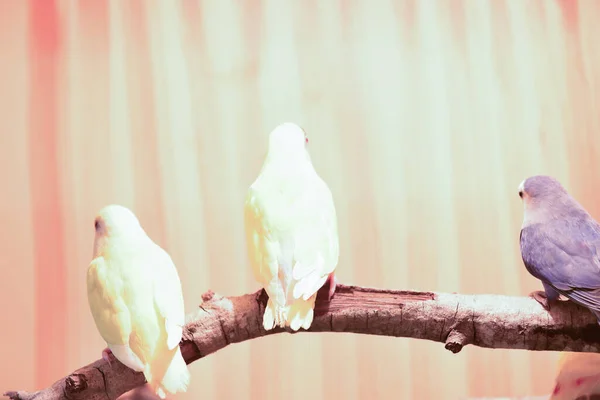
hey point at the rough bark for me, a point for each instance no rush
(456, 320)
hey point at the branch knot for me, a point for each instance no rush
(455, 341)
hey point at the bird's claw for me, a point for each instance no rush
(332, 286)
(541, 298)
(107, 356)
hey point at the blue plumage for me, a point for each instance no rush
(560, 243)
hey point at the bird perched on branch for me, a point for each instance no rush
(291, 230)
(135, 296)
(560, 244)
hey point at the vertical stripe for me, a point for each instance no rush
(222, 91)
(17, 282)
(46, 210)
(118, 102)
(93, 181)
(149, 204)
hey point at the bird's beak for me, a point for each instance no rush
(522, 186)
(521, 191)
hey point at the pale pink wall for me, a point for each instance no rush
(423, 119)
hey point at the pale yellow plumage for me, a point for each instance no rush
(578, 375)
(291, 230)
(135, 297)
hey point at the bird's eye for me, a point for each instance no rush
(96, 224)
(306, 139)
(520, 193)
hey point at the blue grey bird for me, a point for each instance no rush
(560, 244)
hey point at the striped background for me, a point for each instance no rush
(423, 117)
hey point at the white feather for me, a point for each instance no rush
(123, 353)
(136, 300)
(290, 221)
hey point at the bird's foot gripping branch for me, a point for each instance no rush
(456, 320)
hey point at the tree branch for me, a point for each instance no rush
(456, 320)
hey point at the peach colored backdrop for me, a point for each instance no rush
(423, 118)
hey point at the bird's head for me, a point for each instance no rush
(544, 198)
(287, 140)
(541, 189)
(115, 219)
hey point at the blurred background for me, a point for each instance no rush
(423, 118)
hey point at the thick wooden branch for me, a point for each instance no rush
(456, 320)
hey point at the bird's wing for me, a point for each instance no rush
(168, 296)
(263, 238)
(107, 305)
(564, 254)
(316, 242)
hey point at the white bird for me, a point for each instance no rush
(291, 230)
(135, 297)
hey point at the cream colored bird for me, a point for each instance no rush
(578, 377)
(135, 296)
(291, 231)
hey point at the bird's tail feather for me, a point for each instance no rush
(176, 378)
(297, 315)
(275, 315)
(301, 313)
